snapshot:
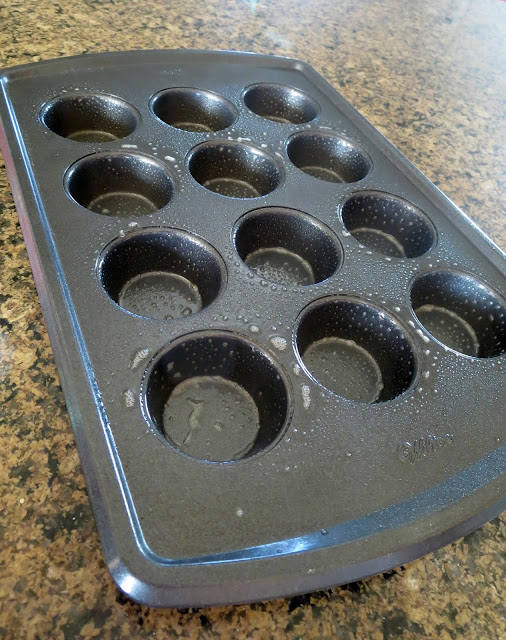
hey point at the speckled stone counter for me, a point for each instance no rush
(430, 76)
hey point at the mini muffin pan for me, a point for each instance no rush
(283, 350)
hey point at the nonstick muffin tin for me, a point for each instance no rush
(283, 350)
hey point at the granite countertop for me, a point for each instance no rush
(430, 76)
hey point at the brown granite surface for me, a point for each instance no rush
(431, 77)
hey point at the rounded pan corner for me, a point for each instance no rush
(186, 583)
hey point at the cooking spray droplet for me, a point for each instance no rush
(129, 398)
(278, 342)
(138, 357)
(306, 396)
